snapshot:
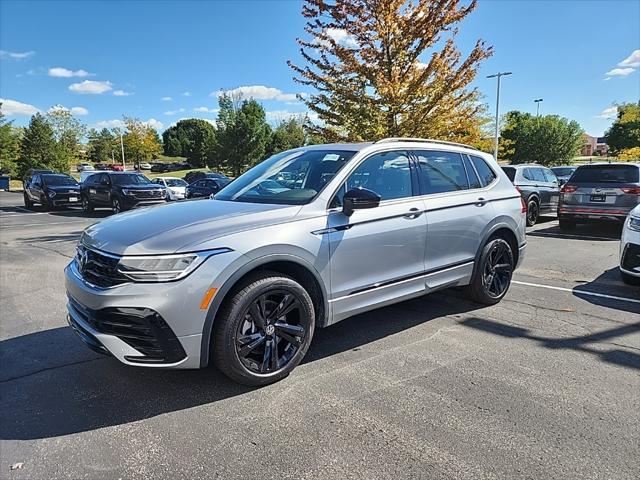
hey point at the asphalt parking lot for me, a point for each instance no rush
(544, 385)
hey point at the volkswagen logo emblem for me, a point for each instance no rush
(270, 329)
(82, 259)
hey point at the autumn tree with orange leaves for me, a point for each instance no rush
(390, 68)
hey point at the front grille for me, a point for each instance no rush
(147, 194)
(142, 328)
(631, 257)
(98, 268)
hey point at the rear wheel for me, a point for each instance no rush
(567, 224)
(533, 212)
(629, 279)
(493, 273)
(264, 330)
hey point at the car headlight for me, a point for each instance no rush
(126, 191)
(634, 223)
(51, 193)
(164, 268)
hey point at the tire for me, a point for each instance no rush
(566, 224)
(87, 204)
(242, 341)
(27, 203)
(116, 206)
(533, 212)
(629, 279)
(46, 204)
(485, 287)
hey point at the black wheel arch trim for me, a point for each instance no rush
(235, 277)
(485, 238)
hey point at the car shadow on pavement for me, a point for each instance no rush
(592, 343)
(587, 231)
(52, 385)
(610, 283)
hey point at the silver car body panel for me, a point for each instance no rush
(401, 249)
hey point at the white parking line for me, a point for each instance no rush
(578, 292)
(40, 224)
(13, 214)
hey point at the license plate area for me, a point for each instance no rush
(598, 198)
(73, 199)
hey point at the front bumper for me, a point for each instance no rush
(65, 200)
(630, 251)
(106, 318)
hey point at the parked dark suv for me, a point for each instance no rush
(538, 186)
(599, 192)
(205, 187)
(51, 190)
(120, 191)
(191, 177)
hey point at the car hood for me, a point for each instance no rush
(180, 227)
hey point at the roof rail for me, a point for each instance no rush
(410, 139)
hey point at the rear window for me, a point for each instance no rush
(486, 174)
(511, 172)
(606, 174)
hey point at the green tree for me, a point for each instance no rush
(547, 140)
(38, 148)
(68, 132)
(102, 145)
(141, 142)
(9, 145)
(287, 135)
(389, 68)
(624, 134)
(193, 138)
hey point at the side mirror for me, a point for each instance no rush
(561, 182)
(358, 199)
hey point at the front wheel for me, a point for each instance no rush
(264, 329)
(493, 273)
(116, 206)
(27, 202)
(87, 206)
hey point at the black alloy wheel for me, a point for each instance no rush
(271, 333)
(533, 212)
(263, 329)
(87, 206)
(116, 207)
(27, 202)
(493, 272)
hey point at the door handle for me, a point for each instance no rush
(413, 213)
(481, 202)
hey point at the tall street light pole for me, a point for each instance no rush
(537, 101)
(497, 133)
(122, 150)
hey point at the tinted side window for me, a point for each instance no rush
(385, 173)
(486, 174)
(511, 172)
(538, 176)
(441, 172)
(528, 174)
(549, 175)
(472, 176)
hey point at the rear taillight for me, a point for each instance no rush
(523, 208)
(631, 190)
(568, 189)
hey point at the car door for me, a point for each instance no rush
(458, 209)
(103, 190)
(540, 182)
(377, 254)
(210, 187)
(197, 188)
(33, 188)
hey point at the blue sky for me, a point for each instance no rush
(161, 60)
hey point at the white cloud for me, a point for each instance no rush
(620, 72)
(186, 94)
(609, 113)
(421, 65)
(153, 123)
(166, 99)
(66, 73)
(632, 60)
(13, 107)
(259, 92)
(338, 35)
(16, 55)
(206, 110)
(91, 87)
(121, 93)
(284, 115)
(173, 112)
(73, 110)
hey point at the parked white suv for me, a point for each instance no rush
(303, 240)
(630, 248)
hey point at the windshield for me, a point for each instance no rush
(175, 182)
(129, 179)
(510, 171)
(58, 180)
(563, 171)
(288, 178)
(606, 174)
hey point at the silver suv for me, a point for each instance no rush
(303, 240)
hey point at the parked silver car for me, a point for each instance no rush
(245, 279)
(599, 192)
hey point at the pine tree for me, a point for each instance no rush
(38, 148)
(389, 68)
